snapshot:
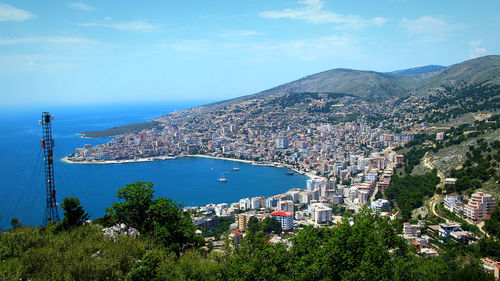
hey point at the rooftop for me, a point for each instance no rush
(282, 214)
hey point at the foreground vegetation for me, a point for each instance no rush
(370, 249)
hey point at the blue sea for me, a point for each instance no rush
(192, 181)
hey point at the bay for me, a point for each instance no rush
(192, 181)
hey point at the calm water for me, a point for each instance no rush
(190, 180)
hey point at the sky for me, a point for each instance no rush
(66, 53)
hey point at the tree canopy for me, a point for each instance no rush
(74, 214)
(161, 218)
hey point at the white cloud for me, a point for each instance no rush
(475, 43)
(428, 28)
(239, 33)
(476, 50)
(303, 49)
(313, 12)
(81, 6)
(44, 40)
(311, 49)
(141, 26)
(10, 13)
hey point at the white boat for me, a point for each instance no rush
(235, 168)
(222, 178)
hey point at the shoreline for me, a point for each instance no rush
(149, 159)
(217, 158)
(310, 174)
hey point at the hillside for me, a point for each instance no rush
(419, 70)
(375, 86)
(366, 86)
(476, 71)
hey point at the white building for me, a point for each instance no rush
(306, 197)
(245, 204)
(480, 206)
(282, 142)
(257, 202)
(285, 218)
(380, 205)
(221, 210)
(295, 195)
(411, 230)
(445, 229)
(440, 136)
(320, 213)
(363, 196)
(450, 180)
(452, 200)
(285, 205)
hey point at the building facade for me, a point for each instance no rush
(285, 218)
(480, 206)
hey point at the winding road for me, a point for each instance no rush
(436, 198)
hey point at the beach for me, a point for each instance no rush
(310, 174)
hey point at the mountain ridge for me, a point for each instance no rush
(375, 86)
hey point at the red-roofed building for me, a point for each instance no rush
(236, 235)
(491, 266)
(285, 218)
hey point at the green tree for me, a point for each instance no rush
(256, 259)
(73, 212)
(270, 225)
(253, 225)
(15, 223)
(172, 226)
(493, 224)
(136, 199)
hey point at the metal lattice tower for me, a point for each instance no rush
(51, 213)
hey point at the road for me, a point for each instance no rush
(436, 198)
(429, 165)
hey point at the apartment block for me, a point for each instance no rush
(480, 206)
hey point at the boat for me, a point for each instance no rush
(290, 173)
(222, 178)
(235, 168)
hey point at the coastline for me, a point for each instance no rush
(218, 158)
(149, 159)
(309, 174)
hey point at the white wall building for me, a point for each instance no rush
(285, 205)
(452, 200)
(320, 213)
(380, 205)
(285, 218)
(480, 206)
(245, 204)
